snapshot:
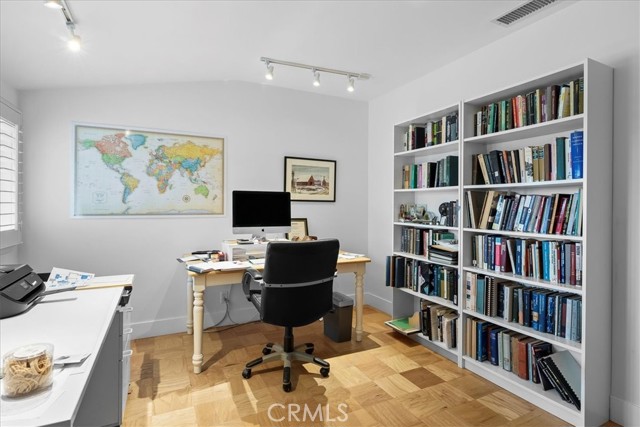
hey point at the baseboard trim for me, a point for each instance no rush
(174, 325)
(623, 412)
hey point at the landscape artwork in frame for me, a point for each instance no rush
(126, 172)
(310, 180)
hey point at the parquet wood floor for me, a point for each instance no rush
(385, 380)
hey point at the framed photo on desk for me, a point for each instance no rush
(299, 228)
(310, 180)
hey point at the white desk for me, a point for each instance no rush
(74, 322)
(195, 299)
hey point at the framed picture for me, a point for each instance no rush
(310, 180)
(299, 228)
(121, 171)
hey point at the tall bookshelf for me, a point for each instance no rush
(431, 210)
(592, 194)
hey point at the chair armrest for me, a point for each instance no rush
(251, 282)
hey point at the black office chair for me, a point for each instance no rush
(294, 289)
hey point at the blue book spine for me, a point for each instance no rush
(542, 310)
(576, 138)
(482, 341)
(545, 260)
(535, 311)
(493, 342)
(544, 228)
(480, 294)
(551, 304)
(526, 310)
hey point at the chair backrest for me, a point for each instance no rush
(298, 281)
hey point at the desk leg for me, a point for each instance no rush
(198, 320)
(359, 302)
(189, 305)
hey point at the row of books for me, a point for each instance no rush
(559, 160)
(559, 213)
(543, 310)
(557, 262)
(418, 240)
(439, 323)
(421, 276)
(432, 133)
(537, 106)
(443, 173)
(527, 357)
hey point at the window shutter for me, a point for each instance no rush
(10, 176)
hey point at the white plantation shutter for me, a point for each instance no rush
(10, 176)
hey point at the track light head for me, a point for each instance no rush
(351, 87)
(53, 4)
(269, 74)
(316, 78)
(74, 43)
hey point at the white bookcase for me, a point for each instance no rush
(406, 300)
(593, 351)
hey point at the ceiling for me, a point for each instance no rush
(147, 41)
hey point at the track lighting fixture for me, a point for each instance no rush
(74, 43)
(351, 76)
(53, 4)
(269, 74)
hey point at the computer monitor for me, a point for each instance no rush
(260, 212)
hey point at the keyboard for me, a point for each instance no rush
(257, 261)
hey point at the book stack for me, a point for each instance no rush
(529, 213)
(444, 253)
(543, 310)
(537, 106)
(557, 160)
(438, 323)
(442, 173)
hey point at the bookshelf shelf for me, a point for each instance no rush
(449, 147)
(527, 280)
(558, 341)
(424, 226)
(427, 190)
(522, 235)
(531, 131)
(582, 205)
(424, 259)
(431, 298)
(534, 393)
(527, 185)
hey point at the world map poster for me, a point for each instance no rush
(135, 172)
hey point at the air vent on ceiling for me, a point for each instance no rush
(522, 11)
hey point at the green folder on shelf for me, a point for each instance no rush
(405, 325)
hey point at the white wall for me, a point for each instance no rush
(262, 125)
(604, 31)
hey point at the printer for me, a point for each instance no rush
(20, 288)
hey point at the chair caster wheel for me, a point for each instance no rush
(286, 387)
(324, 372)
(266, 351)
(246, 374)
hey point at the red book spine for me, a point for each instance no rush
(497, 255)
(561, 215)
(523, 372)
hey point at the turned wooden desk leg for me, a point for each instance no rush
(359, 303)
(189, 305)
(198, 320)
